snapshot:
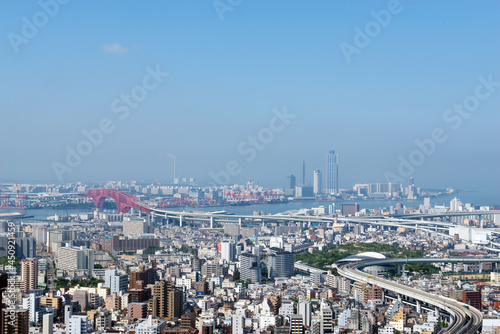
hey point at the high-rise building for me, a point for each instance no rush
(296, 324)
(16, 321)
(290, 182)
(303, 172)
(141, 278)
(332, 173)
(237, 324)
(304, 309)
(29, 274)
(25, 247)
(455, 204)
(53, 238)
(115, 282)
(228, 250)
(3, 286)
(280, 263)
(249, 267)
(327, 316)
(76, 258)
(32, 304)
(167, 301)
(317, 182)
(48, 323)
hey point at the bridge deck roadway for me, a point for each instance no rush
(466, 319)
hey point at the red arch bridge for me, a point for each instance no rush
(123, 200)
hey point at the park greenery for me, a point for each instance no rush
(325, 258)
(5, 261)
(64, 282)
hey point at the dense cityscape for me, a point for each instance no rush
(154, 258)
(241, 167)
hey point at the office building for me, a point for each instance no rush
(317, 182)
(53, 301)
(290, 182)
(332, 173)
(54, 239)
(304, 191)
(76, 258)
(115, 282)
(280, 263)
(228, 250)
(29, 274)
(250, 268)
(167, 301)
(25, 248)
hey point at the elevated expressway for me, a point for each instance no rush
(464, 318)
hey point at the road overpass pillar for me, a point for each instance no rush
(211, 222)
(239, 221)
(419, 308)
(180, 221)
(399, 297)
(480, 221)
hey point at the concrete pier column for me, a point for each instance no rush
(211, 222)
(180, 221)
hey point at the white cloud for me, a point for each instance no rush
(114, 48)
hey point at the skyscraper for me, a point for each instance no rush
(280, 263)
(290, 182)
(317, 182)
(25, 248)
(332, 173)
(303, 172)
(250, 267)
(29, 274)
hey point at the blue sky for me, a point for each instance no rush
(227, 76)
